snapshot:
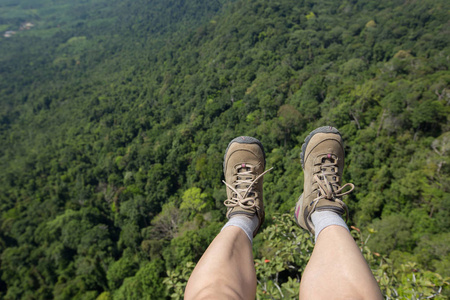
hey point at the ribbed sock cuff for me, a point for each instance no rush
(323, 219)
(245, 223)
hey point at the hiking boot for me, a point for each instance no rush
(322, 160)
(243, 168)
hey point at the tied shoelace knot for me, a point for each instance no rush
(328, 184)
(243, 196)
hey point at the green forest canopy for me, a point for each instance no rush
(115, 114)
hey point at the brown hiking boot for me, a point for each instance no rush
(322, 160)
(243, 168)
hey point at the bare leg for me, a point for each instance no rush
(226, 269)
(337, 269)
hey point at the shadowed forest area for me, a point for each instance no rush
(115, 115)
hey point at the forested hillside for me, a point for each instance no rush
(114, 118)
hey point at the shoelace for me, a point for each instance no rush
(330, 190)
(242, 200)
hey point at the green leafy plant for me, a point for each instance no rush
(177, 279)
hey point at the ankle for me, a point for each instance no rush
(247, 224)
(324, 219)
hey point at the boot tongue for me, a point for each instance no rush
(243, 168)
(330, 182)
(329, 157)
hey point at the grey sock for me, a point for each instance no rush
(323, 219)
(245, 223)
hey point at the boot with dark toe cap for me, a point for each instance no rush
(322, 160)
(243, 167)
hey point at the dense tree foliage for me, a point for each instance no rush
(114, 117)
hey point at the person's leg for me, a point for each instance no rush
(337, 269)
(226, 270)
